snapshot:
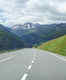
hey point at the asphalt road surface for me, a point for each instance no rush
(32, 64)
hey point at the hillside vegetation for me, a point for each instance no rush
(40, 33)
(56, 46)
(9, 41)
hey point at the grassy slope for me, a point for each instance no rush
(57, 46)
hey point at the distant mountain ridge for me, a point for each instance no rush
(31, 35)
(39, 33)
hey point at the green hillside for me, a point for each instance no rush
(56, 46)
(9, 41)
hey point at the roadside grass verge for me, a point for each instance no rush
(57, 46)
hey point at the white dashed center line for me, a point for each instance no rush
(24, 76)
(28, 68)
(32, 61)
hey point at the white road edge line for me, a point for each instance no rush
(3, 60)
(58, 56)
(24, 76)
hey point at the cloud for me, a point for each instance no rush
(43, 11)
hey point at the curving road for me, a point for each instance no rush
(32, 64)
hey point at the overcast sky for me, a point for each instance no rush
(42, 11)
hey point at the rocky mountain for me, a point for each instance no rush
(23, 26)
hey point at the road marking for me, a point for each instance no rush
(29, 67)
(32, 61)
(58, 56)
(24, 76)
(3, 60)
(63, 58)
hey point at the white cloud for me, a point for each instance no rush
(61, 8)
(43, 11)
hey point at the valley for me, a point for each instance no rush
(32, 35)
